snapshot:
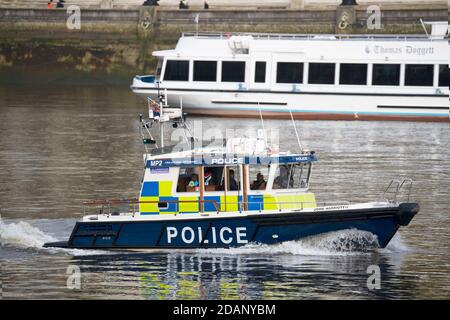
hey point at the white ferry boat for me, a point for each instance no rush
(365, 77)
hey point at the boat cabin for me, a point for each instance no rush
(206, 181)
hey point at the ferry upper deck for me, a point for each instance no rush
(315, 76)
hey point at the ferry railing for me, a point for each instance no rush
(110, 206)
(280, 36)
(395, 187)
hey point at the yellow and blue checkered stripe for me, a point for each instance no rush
(161, 191)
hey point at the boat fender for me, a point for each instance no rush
(405, 213)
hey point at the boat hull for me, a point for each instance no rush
(308, 106)
(224, 232)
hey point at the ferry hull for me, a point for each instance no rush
(317, 115)
(307, 106)
(224, 232)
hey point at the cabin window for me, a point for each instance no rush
(321, 73)
(159, 67)
(444, 75)
(419, 75)
(353, 73)
(386, 75)
(292, 176)
(233, 71)
(289, 72)
(188, 180)
(258, 175)
(205, 70)
(177, 70)
(213, 177)
(260, 72)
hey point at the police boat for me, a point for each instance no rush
(227, 196)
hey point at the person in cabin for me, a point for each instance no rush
(181, 186)
(259, 183)
(233, 183)
(193, 182)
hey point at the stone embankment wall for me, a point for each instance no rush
(115, 44)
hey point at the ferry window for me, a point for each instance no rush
(321, 73)
(188, 180)
(177, 70)
(289, 72)
(233, 71)
(444, 75)
(419, 75)
(205, 70)
(258, 177)
(213, 178)
(386, 75)
(291, 176)
(353, 73)
(260, 72)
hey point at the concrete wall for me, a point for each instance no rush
(216, 4)
(113, 45)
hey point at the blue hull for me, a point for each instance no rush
(209, 232)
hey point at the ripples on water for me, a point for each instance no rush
(62, 146)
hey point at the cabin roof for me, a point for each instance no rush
(229, 159)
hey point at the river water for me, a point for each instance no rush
(60, 146)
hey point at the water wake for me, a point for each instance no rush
(344, 242)
(25, 236)
(22, 235)
(396, 245)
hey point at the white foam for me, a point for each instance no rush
(396, 245)
(25, 236)
(22, 235)
(78, 252)
(344, 242)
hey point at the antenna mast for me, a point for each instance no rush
(264, 129)
(296, 132)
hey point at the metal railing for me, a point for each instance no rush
(281, 36)
(110, 206)
(395, 187)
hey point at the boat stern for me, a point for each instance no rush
(143, 85)
(57, 244)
